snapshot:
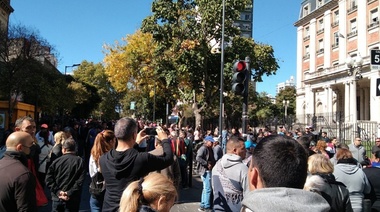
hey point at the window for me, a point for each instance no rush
(307, 53)
(352, 6)
(307, 31)
(374, 17)
(247, 17)
(336, 40)
(353, 25)
(320, 44)
(320, 24)
(319, 3)
(305, 10)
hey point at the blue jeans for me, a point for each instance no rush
(206, 192)
(95, 204)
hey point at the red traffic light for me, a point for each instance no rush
(239, 66)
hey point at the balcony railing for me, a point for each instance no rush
(352, 9)
(306, 56)
(320, 31)
(320, 51)
(306, 38)
(373, 24)
(335, 23)
(352, 34)
(335, 45)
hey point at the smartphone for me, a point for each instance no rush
(151, 131)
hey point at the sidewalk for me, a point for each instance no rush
(189, 199)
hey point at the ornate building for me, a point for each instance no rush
(335, 81)
(5, 11)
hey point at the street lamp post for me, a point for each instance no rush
(354, 69)
(285, 103)
(221, 75)
(73, 65)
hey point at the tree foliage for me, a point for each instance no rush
(94, 75)
(27, 62)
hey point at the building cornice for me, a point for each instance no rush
(316, 13)
(5, 5)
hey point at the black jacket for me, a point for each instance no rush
(121, 168)
(67, 174)
(17, 183)
(336, 194)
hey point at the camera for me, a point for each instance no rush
(151, 131)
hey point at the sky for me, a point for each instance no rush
(78, 29)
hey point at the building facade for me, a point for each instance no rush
(5, 11)
(282, 85)
(335, 81)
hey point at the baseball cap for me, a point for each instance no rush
(45, 126)
(209, 138)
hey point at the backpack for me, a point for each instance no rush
(97, 185)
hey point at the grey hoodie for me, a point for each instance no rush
(355, 180)
(229, 182)
(284, 199)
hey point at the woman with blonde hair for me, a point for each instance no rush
(56, 151)
(104, 142)
(323, 182)
(154, 192)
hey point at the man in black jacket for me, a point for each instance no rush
(126, 164)
(65, 178)
(17, 184)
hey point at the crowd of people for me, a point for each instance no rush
(140, 166)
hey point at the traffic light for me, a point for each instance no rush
(239, 78)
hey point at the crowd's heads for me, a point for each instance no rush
(20, 142)
(320, 164)
(59, 137)
(69, 145)
(26, 124)
(278, 161)
(321, 145)
(154, 190)
(377, 142)
(377, 156)
(357, 141)
(104, 142)
(209, 140)
(236, 145)
(343, 154)
(125, 129)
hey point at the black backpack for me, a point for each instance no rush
(97, 186)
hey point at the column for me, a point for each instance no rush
(347, 101)
(374, 100)
(300, 53)
(312, 48)
(327, 39)
(353, 108)
(366, 104)
(362, 103)
(343, 30)
(362, 27)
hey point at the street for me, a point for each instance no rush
(189, 199)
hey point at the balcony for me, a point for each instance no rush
(335, 45)
(370, 1)
(306, 56)
(306, 38)
(320, 51)
(352, 34)
(373, 25)
(335, 23)
(320, 31)
(352, 9)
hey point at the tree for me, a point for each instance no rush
(94, 75)
(23, 53)
(183, 31)
(130, 67)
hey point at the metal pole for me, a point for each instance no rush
(245, 97)
(154, 103)
(221, 75)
